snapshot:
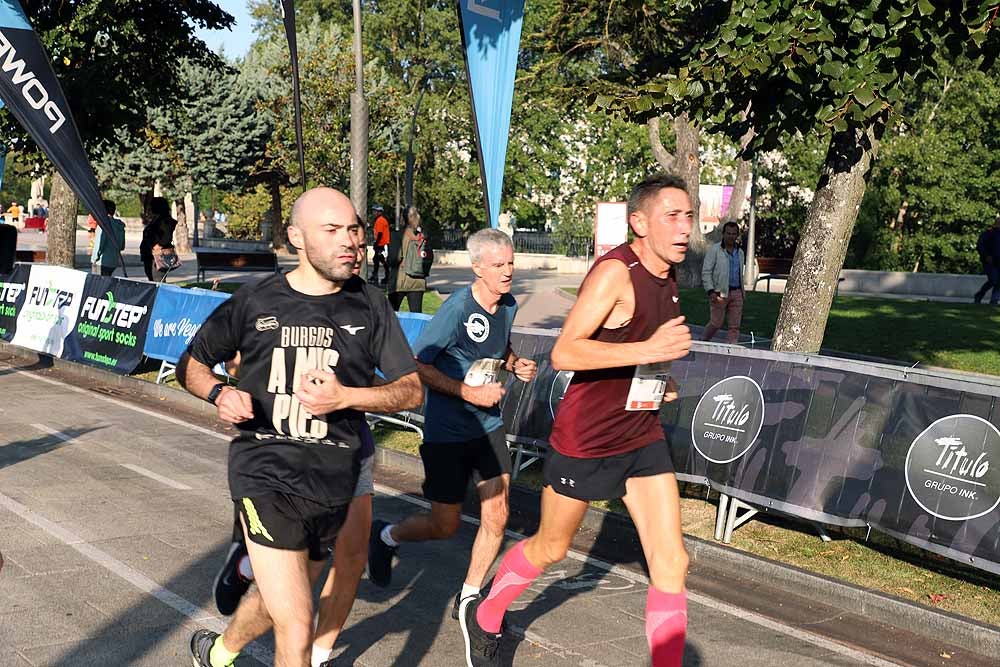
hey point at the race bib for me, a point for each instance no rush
(649, 382)
(483, 371)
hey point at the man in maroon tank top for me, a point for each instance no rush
(607, 441)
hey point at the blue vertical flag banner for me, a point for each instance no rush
(33, 94)
(491, 38)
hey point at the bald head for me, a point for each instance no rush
(317, 205)
(325, 229)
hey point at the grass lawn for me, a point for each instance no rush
(880, 563)
(960, 336)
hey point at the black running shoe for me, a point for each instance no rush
(201, 647)
(458, 603)
(482, 648)
(380, 556)
(230, 585)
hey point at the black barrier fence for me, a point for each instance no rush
(911, 453)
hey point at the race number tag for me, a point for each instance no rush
(648, 386)
(483, 371)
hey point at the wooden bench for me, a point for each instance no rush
(772, 267)
(223, 259)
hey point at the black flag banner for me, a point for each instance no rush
(32, 92)
(288, 14)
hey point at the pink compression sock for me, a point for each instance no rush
(666, 626)
(515, 574)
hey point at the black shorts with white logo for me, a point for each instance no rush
(604, 478)
(282, 521)
(448, 466)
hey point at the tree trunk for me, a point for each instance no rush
(820, 254)
(181, 241)
(687, 165)
(744, 171)
(279, 228)
(61, 224)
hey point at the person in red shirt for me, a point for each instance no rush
(380, 244)
(607, 441)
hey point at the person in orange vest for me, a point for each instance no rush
(380, 244)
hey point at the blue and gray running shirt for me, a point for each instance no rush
(466, 343)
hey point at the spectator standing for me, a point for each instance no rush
(410, 258)
(988, 247)
(104, 256)
(380, 244)
(14, 212)
(722, 277)
(157, 240)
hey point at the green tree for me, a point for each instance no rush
(115, 59)
(937, 181)
(213, 134)
(778, 68)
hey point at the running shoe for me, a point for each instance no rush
(458, 603)
(201, 647)
(230, 585)
(482, 648)
(380, 556)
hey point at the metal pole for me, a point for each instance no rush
(359, 125)
(750, 272)
(408, 188)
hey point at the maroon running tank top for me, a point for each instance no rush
(592, 420)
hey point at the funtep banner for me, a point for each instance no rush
(50, 308)
(111, 329)
(33, 94)
(13, 290)
(491, 38)
(177, 316)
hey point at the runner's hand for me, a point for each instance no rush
(525, 369)
(320, 392)
(485, 396)
(670, 341)
(671, 392)
(234, 406)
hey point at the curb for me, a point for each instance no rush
(932, 623)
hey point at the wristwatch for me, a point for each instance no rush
(214, 392)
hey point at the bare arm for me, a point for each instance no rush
(322, 393)
(485, 396)
(234, 406)
(600, 293)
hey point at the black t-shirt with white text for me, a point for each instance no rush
(280, 334)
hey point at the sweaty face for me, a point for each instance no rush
(669, 217)
(329, 240)
(496, 268)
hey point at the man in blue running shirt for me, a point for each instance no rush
(459, 355)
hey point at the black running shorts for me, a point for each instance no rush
(281, 521)
(448, 466)
(604, 478)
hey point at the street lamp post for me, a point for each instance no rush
(750, 272)
(359, 125)
(408, 187)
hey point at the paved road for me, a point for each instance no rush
(114, 518)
